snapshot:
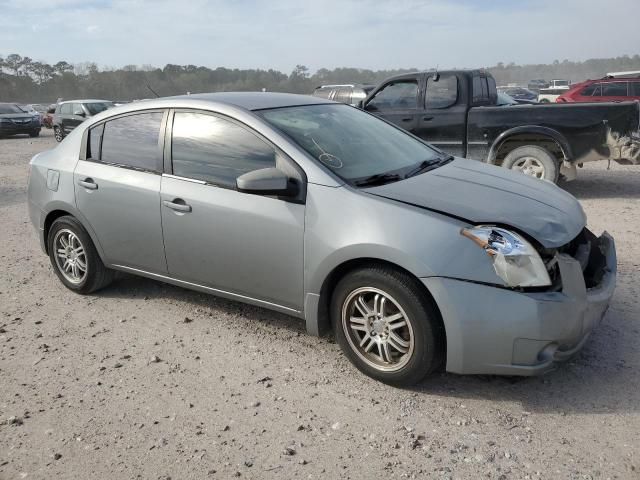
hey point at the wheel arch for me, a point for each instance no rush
(534, 135)
(322, 315)
(64, 210)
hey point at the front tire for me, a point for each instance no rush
(57, 133)
(533, 161)
(387, 326)
(34, 133)
(74, 257)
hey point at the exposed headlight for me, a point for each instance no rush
(514, 259)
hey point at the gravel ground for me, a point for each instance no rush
(146, 380)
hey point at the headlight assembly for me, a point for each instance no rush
(514, 259)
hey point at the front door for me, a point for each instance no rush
(243, 244)
(397, 102)
(442, 122)
(118, 190)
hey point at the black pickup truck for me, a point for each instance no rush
(459, 112)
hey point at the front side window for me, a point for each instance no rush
(614, 89)
(351, 143)
(216, 150)
(132, 141)
(592, 90)
(397, 95)
(441, 93)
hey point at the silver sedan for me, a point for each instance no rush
(414, 258)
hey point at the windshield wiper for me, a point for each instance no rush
(427, 165)
(378, 179)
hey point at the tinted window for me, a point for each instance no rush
(95, 137)
(396, 95)
(615, 89)
(441, 93)
(132, 141)
(634, 89)
(216, 150)
(66, 109)
(95, 108)
(7, 108)
(591, 90)
(480, 90)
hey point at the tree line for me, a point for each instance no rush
(25, 80)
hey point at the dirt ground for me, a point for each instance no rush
(146, 380)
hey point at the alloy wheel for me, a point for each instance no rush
(378, 329)
(70, 255)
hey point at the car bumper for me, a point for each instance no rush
(493, 330)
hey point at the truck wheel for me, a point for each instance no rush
(533, 161)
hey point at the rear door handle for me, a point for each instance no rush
(178, 205)
(427, 119)
(406, 119)
(88, 183)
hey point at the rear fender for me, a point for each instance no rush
(532, 129)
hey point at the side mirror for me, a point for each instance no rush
(360, 104)
(80, 114)
(266, 181)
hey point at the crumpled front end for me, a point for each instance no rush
(492, 330)
(624, 149)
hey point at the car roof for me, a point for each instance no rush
(253, 100)
(85, 100)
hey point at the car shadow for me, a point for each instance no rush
(592, 184)
(597, 380)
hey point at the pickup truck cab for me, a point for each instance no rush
(458, 112)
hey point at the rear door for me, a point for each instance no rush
(118, 189)
(241, 244)
(442, 122)
(615, 91)
(397, 102)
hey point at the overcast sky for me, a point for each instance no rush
(279, 34)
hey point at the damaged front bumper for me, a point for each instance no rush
(493, 330)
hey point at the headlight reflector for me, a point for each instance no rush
(515, 260)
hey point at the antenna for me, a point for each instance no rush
(153, 91)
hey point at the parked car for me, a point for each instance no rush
(519, 93)
(553, 91)
(324, 212)
(72, 113)
(505, 100)
(350, 93)
(608, 89)
(15, 120)
(536, 85)
(458, 112)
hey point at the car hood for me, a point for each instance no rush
(484, 194)
(17, 116)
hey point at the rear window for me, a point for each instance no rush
(441, 93)
(97, 107)
(132, 141)
(614, 89)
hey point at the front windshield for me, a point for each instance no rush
(351, 143)
(8, 108)
(95, 108)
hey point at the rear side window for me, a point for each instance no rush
(95, 139)
(66, 109)
(480, 90)
(441, 93)
(614, 89)
(398, 95)
(215, 150)
(634, 89)
(592, 90)
(132, 141)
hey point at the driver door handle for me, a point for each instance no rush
(178, 205)
(88, 183)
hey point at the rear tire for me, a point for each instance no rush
(74, 257)
(387, 326)
(534, 161)
(58, 134)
